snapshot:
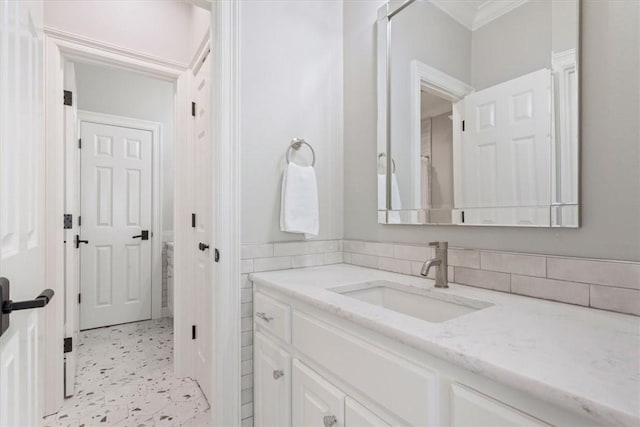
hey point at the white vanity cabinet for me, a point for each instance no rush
(315, 401)
(272, 383)
(313, 369)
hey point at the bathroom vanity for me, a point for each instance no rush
(348, 346)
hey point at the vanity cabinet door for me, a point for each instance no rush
(356, 415)
(470, 408)
(316, 402)
(272, 383)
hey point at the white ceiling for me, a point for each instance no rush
(473, 14)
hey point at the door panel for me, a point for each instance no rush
(315, 401)
(203, 208)
(357, 415)
(272, 386)
(116, 187)
(506, 152)
(22, 208)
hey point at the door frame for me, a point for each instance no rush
(58, 47)
(157, 195)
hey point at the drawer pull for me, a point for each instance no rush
(277, 374)
(330, 420)
(264, 317)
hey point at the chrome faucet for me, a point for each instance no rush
(440, 262)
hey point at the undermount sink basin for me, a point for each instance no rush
(415, 302)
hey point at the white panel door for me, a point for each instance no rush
(506, 150)
(203, 234)
(357, 415)
(315, 401)
(272, 383)
(22, 208)
(72, 207)
(115, 264)
(472, 409)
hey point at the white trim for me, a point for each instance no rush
(441, 84)
(157, 194)
(226, 127)
(114, 49)
(472, 17)
(58, 48)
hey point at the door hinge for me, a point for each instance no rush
(463, 217)
(79, 220)
(79, 298)
(68, 345)
(463, 126)
(68, 97)
(68, 221)
(216, 256)
(193, 220)
(193, 332)
(80, 143)
(193, 109)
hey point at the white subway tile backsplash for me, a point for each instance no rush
(256, 251)
(246, 338)
(246, 266)
(364, 260)
(323, 246)
(246, 324)
(412, 253)
(483, 279)
(615, 299)
(246, 295)
(246, 382)
(246, 309)
(246, 353)
(556, 290)
(379, 249)
(290, 248)
(607, 273)
(353, 246)
(246, 396)
(333, 258)
(401, 266)
(246, 411)
(514, 263)
(300, 261)
(273, 263)
(246, 367)
(245, 282)
(463, 258)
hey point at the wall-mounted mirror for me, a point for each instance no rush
(478, 112)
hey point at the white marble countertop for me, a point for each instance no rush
(582, 359)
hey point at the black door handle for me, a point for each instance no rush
(78, 241)
(202, 246)
(7, 305)
(144, 235)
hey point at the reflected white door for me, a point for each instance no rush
(22, 208)
(506, 152)
(203, 235)
(116, 186)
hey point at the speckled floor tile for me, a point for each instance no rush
(125, 379)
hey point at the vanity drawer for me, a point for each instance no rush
(407, 390)
(272, 316)
(470, 408)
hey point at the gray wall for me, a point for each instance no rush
(610, 144)
(511, 46)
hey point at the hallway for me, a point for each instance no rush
(125, 378)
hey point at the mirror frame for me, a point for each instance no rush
(389, 216)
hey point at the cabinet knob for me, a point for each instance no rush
(277, 374)
(263, 316)
(330, 420)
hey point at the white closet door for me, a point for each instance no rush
(315, 402)
(116, 206)
(203, 235)
(22, 209)
(506, 150)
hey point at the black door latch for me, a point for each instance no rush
(7, 305)
(78, 241)
(144, 235)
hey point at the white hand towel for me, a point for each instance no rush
(299, 210)
(393, 217)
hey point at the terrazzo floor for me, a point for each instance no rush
(125, 378)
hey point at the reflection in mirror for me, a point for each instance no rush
(481, 123)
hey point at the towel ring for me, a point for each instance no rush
(393, 162)
(296, 143)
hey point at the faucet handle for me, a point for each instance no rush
(439, 245)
